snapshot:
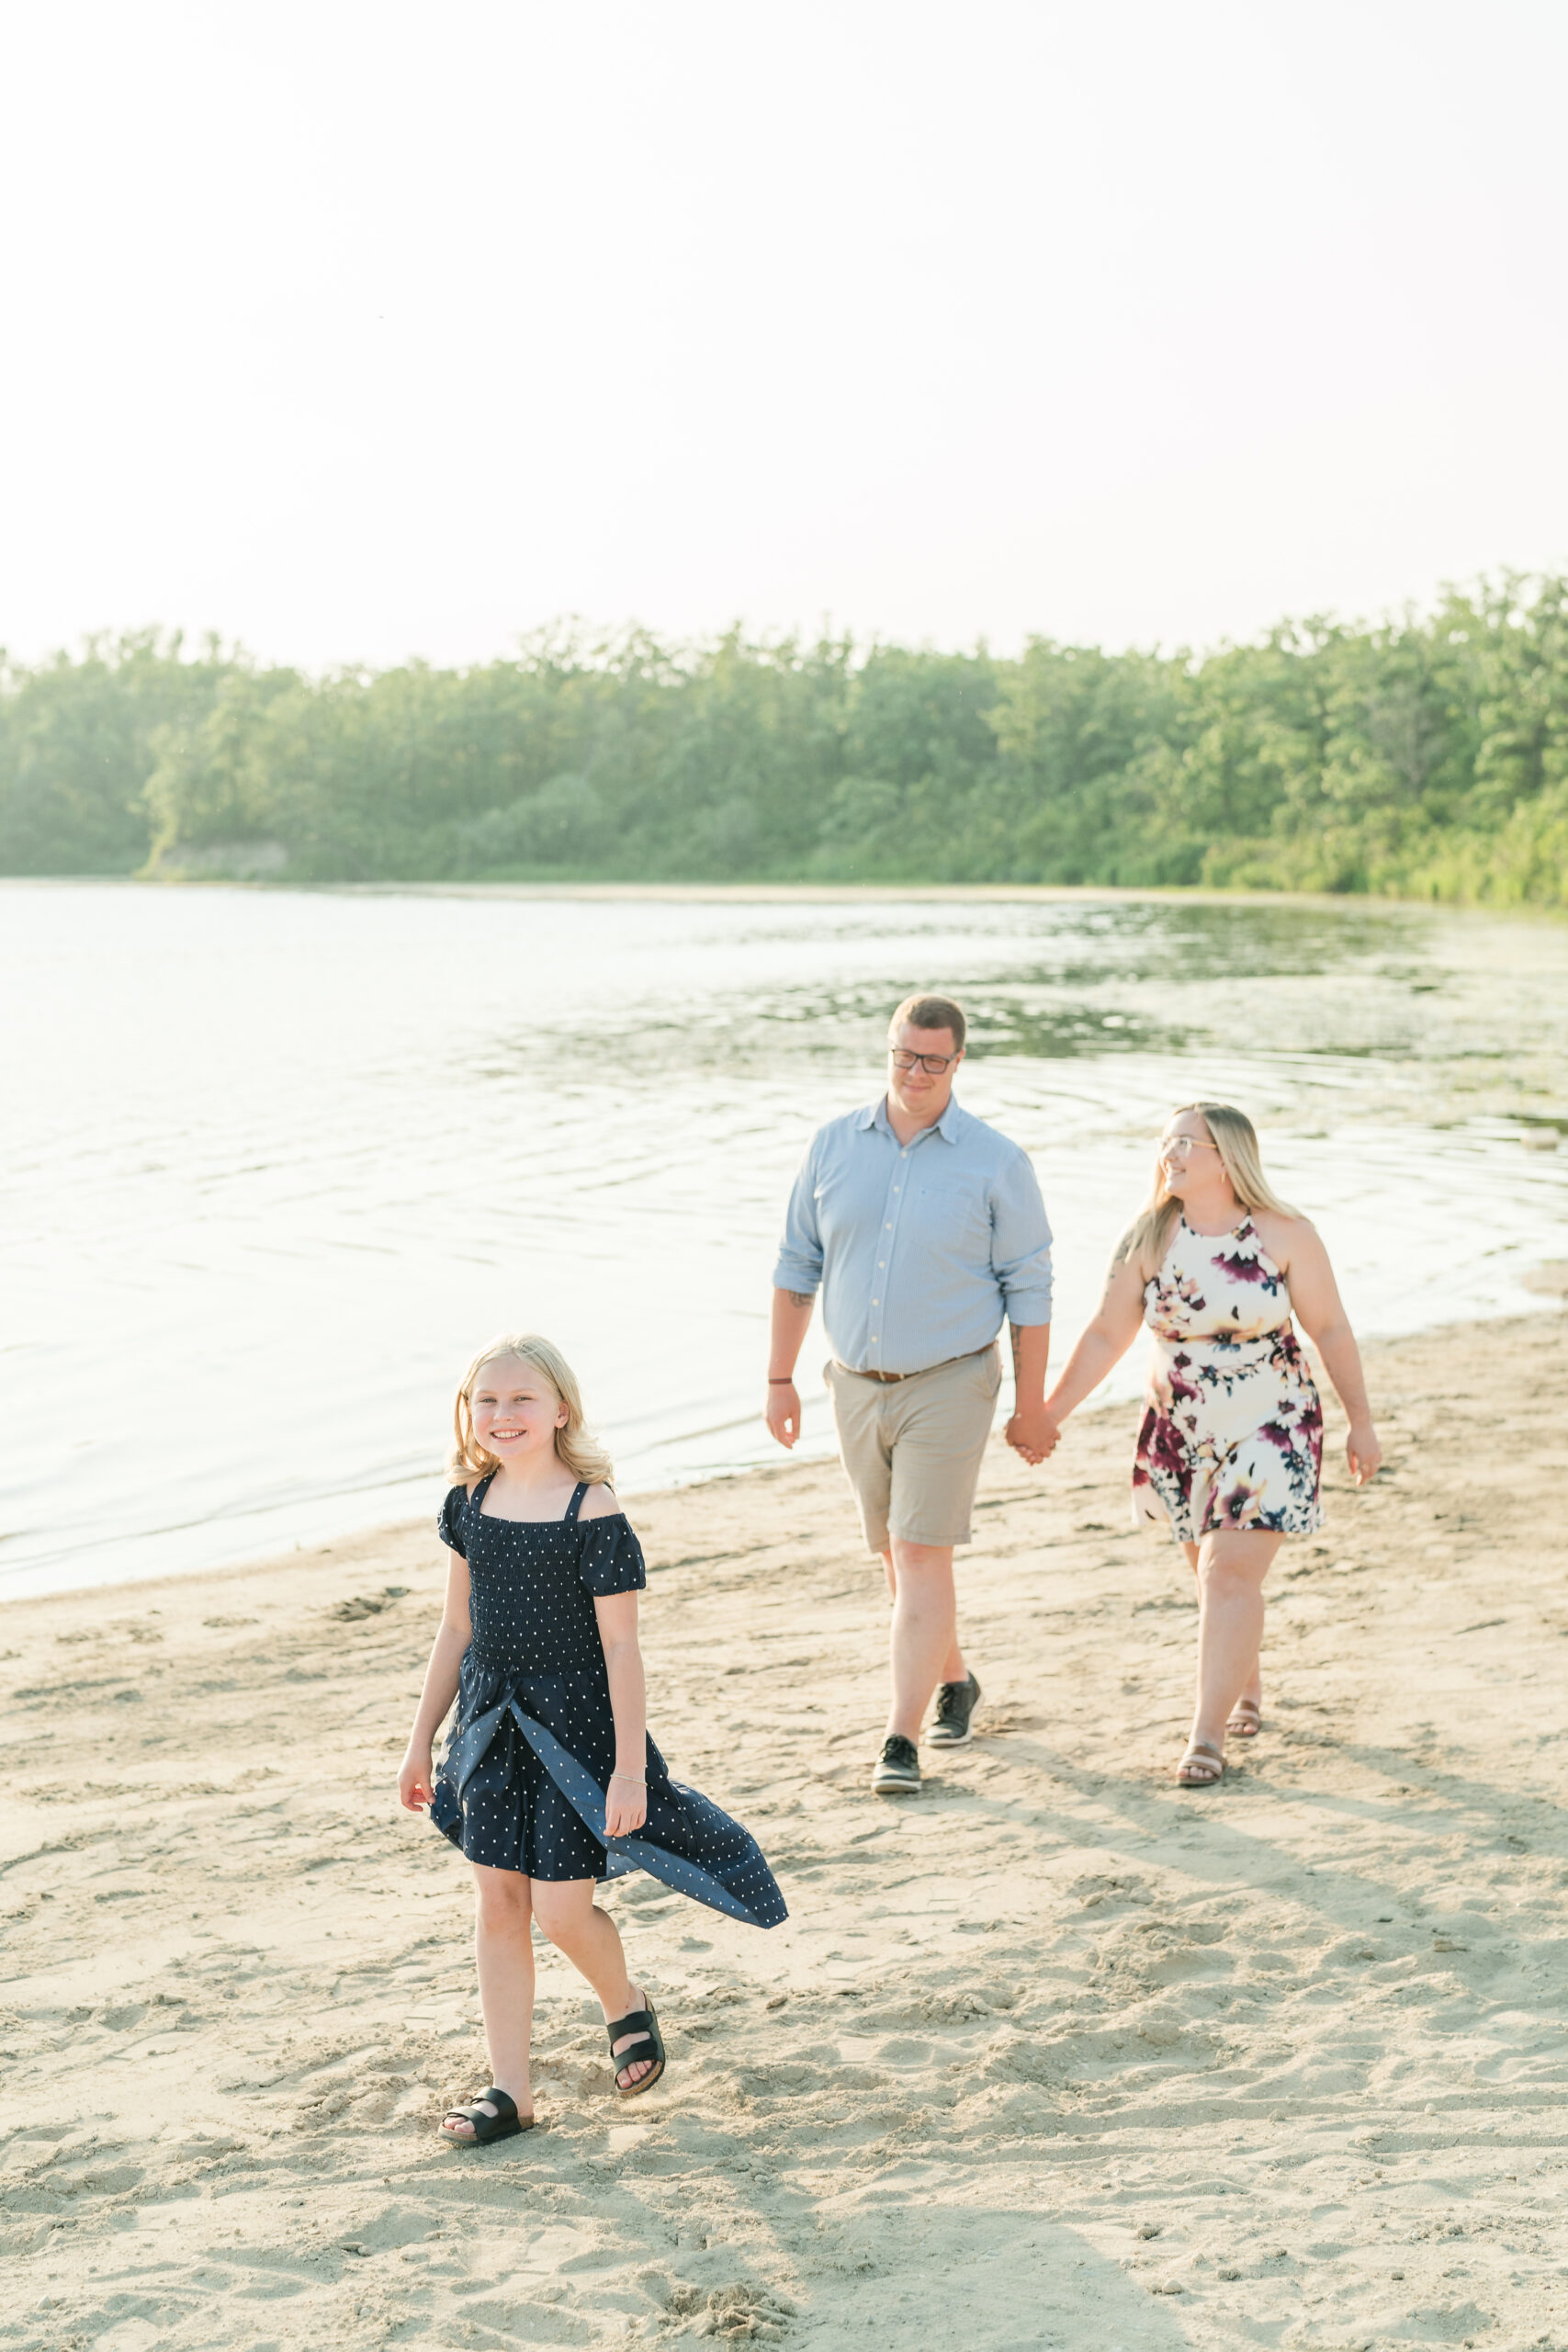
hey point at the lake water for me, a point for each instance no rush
(275, 1163)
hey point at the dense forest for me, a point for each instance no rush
(1426, 756)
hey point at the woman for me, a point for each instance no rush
(1230, 1453)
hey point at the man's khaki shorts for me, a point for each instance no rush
(912, 1447)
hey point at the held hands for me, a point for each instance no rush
(784, 1411)
(1362, 1451)
(1035, 1434)
(626, 1804)
(414, 1780)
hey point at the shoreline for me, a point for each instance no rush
(1548, 1279)
(805, 893)
(1287, 2053)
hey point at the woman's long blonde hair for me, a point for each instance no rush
(577, 1447)
(1235, 1139)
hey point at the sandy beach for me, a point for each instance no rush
(1055, 2055)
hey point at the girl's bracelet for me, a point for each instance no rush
(781, 1380)
(640, 1778)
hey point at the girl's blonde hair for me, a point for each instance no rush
(1235, 1139)
(577, 1447)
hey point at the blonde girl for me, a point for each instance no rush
(1230, 1454)
(549, 1782)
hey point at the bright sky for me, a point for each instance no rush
(358, 331)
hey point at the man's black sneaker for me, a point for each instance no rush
(897, 1772)
(956, 1704)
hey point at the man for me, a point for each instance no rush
(922, 1227)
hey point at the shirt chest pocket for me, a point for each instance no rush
(955, 1215)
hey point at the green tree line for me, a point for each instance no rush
(1425, 756)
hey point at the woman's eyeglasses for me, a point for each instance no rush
(1178, 1147)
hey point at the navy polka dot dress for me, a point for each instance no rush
(522, 1784)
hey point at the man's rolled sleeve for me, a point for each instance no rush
(1020, 1245)
(800, 1251)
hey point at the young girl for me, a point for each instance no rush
(549, 1781)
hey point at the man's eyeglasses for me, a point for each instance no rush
(1178, 1147)
(932, 1064)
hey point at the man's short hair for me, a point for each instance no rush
(931, 1012)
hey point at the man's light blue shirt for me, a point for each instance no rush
(920, 1249)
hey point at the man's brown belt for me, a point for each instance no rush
(889, 1376)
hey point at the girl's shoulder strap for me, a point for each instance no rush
(576, 1503)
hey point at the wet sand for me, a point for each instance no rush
(1054, 2055)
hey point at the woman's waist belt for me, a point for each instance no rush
(1228, 1342)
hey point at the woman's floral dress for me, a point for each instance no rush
(1233, 1436)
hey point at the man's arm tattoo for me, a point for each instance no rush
(1017, 1353)
(800, 1297)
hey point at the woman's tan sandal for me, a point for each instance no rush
(502, 2125)
(646, 2045)
(1202, 1766)
(1247, 1720)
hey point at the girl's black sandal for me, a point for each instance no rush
(649, 2044)
(502, 2125)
